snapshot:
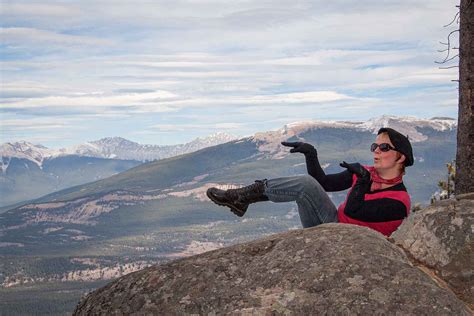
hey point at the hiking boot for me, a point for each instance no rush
(238, 199)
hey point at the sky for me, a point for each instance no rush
(166, 72)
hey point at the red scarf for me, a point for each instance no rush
(377, 180)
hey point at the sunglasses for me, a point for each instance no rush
(383, 147)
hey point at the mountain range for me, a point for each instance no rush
(30, 171)
(107, 148)
(157, 210)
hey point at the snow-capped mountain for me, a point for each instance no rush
(120, 148)
(109, 148)
(23, 150)
(407, 125)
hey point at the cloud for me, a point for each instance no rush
(32, 124)
(302, 97)
(184, 127)
(205, 61)
(40, 122)
(36, 9)
(41, 129)
(26, 36)
(93, 100)
(22, 92)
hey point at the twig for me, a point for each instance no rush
(440, 51)
(448, 67)
(446, 59)
(457, 14)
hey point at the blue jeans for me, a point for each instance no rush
(314, 205)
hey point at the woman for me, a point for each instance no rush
(378, 198)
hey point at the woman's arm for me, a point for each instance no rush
(330, 182)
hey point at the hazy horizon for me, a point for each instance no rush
(234, 135)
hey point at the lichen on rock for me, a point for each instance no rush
(441, 237)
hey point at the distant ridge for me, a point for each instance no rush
(407, 125)
(442, 118)
(41, 171)
(124, 149)
(108, 148)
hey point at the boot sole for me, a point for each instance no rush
(234, 210)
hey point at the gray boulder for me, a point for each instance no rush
(441, 239)
(332, 269)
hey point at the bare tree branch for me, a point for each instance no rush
(447, 45)
(451, 33)
(455, 17)
(443, 50)
(446, 60)
(448, 49)
(448, 67)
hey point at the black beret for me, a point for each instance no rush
(401, 143)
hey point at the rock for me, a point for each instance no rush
(334, 269)
(441, 237)
(465, 196)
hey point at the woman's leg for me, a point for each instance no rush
(314, 205)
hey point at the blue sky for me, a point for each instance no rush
(166, 72)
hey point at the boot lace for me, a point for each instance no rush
(249, 192)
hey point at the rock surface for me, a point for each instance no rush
(333, 269)
(441, 237)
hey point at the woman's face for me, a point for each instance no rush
(385, 160)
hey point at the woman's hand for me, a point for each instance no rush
(300, 147)
(357, 169)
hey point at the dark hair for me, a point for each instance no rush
(401, 144)
(399, 154)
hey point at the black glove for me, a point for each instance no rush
(300, 147)
(357, 169)
(355, 200)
